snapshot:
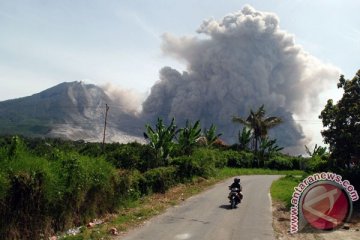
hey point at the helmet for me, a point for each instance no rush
(237, 180)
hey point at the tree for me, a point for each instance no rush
(259, 125)
(161, 138)
(244, 138)
(268, 148)
(318, 151)
(210, 135)
(188, 136)
(342, 122)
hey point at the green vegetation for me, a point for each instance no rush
(229, 172)
(210, 135)
(161, 138)
(342, 133)
(50, 185)
(283, 188)
(341, 123)
(259, 126)
(188, 137)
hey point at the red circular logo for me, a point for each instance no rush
(325, 206)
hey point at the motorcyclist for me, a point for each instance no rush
(236, 184)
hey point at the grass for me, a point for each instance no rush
(282, 189)
(136, 213)
(229, 172)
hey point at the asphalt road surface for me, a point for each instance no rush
(208, 215)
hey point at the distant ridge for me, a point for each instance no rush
(71, 110)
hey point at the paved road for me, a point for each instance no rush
(207, 216)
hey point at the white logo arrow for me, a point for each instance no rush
(330, 195)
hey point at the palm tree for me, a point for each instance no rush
(259, 125)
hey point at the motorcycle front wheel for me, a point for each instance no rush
(233, 203)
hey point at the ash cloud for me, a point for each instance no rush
(129, 101)
(239, 63)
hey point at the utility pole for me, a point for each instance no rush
(106, 113)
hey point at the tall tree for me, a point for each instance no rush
(259, 124)
(342, 122)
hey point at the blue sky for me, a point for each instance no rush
(46, 42)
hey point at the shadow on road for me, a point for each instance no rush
(227, 206)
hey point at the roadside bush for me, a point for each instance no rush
(133, 156)
(86, 189)
(43, 193)
(102, 179)
(239, 159)
(25, 213)
(158, 180)
(207, 160)
(186, 168)
(90, 149)
(131, 186)
(4, 186)
(316, 164)
(297, 162)
(280, 162)
(125, 156)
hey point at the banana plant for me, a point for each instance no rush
(162, 138)
(318, 151)
(244, 138)
(267, 148)
(211, 135)
(188, 136)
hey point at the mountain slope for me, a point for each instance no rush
(71, 110)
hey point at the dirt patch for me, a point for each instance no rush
(281, 225)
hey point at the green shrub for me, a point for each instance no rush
(4, 186)
(91, 149)
(86, 189)
(42, 193)
(160, 179)
(280, 162)
(207, 160)
(102, 180)
(238, 159)
(26, 205)
(316, 164)
(133, 156)
(187, 168)
(297, 162)
(131, 186)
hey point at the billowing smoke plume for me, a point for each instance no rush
(245, 60)
(127, 100)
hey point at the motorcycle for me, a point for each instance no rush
(235, 197)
